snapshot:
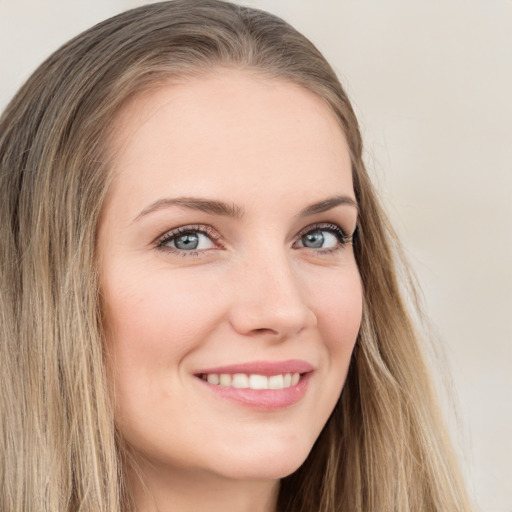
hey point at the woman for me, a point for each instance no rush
(200, 301)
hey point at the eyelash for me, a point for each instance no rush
(334, 229)
(205, 230)
(212, 234)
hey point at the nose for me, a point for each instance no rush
(269, 300)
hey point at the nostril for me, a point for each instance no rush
(264, 330)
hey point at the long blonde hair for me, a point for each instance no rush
(383, 449)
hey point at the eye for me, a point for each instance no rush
(326, 237)
(187, 239)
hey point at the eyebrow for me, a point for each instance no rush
(328, 204)
(232, 210)
(195, 203)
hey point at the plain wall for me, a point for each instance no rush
(431, 83)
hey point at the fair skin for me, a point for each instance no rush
(225, 249)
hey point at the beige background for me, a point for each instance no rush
(432, 84)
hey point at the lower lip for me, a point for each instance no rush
(262, 399)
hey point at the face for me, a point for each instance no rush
(232, 299)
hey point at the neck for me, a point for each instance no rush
(189, 491)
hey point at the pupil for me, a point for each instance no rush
(314, 240)
(188, 241)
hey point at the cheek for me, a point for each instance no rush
(152, 325)
(338, 307)
(340, 322)
(162, 315)
(339, 313)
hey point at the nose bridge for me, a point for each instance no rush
(270, 298)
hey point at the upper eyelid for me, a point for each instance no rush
(200, 228)
(323, 225)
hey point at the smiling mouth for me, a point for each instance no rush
(260, 385)
(252, 381)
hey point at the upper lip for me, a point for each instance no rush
(261, 368)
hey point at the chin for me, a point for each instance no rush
(269, 464)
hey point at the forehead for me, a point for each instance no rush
(227, 131)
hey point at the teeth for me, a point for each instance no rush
(225, 379)
(276, 382)
(258, 382)
(240, 380)
(253, 381)
(213, 378)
